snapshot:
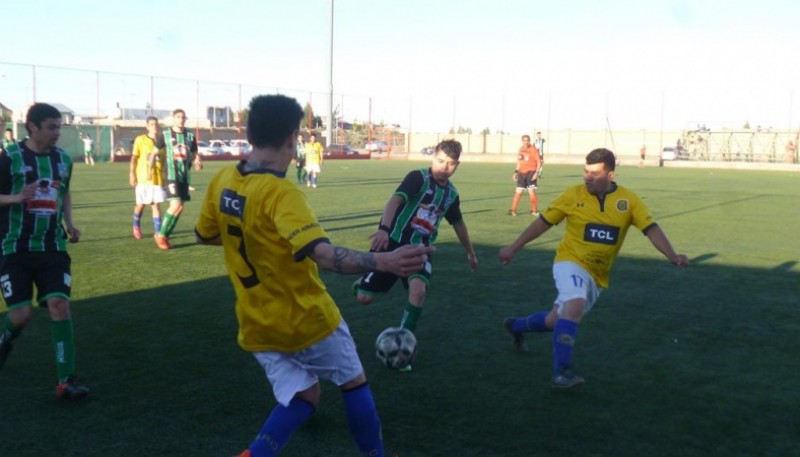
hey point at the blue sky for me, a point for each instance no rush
(510, 65)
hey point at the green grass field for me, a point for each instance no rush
(696, 362)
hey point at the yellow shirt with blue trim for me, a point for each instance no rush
(314, 153)
(596, 227)
(143, 149)
(267, 229)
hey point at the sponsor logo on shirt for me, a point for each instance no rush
(599, 233)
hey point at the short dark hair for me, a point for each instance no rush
(526, 136)
(604, 156)
(272, 119)
(9, 130)
(151, 118)
(37, 114)
(451, 148)
(178, 110)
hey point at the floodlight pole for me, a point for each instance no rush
(329, 127)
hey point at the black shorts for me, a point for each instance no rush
(375, 282)
(49, 271)
(526, 181)
(178, 190)
(300, 163)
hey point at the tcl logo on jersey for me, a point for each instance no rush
(231, 203)
(603, 234)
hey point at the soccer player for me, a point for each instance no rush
(313, 160)
(88, 150)
(180, 147)
(35, 224)
(146, 177)
(412, 216)
(274, 246)
(526, 174)
(8, 139)
(539, 143)
(300, 159)
(598, 215)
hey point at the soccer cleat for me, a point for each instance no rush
(405, 369)
(162, 242)
(6, 345)
(511, 212)
(67, 390)
(246, 453)
(535, 213)
(519, 339)
(566, 380)
(137, 232)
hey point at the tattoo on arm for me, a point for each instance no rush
(360, 261)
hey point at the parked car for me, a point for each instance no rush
(239, 147)
(206, 149)
(428, 150)
(377, 146)
(673, 153)
(343, 151)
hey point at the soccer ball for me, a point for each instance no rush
(396, 347)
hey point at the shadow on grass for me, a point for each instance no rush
(676, 362)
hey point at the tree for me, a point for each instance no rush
(308, 117)
(486, 131)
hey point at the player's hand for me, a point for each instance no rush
(27, 192)
(132, 180)
(380, 241)
(514, 177)
(73, 234)
(473, 261)
(506, 255)
(680, 260)
(198, 165)
(408, 259)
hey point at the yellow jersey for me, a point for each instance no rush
(314, 153)
(143, 149)
(596, 227)
(267, 229)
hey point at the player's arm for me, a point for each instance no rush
(134, 161)
(659, 239)
(402, 261)
(462, 233)
(66, 212)
(533, 231)
(380, 238)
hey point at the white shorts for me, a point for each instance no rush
(313, 168)
(333, 359)
(573, 281)
(147, 194)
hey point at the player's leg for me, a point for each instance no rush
(297, 391)
(515, 201)
(372, 283)
(138, 209)
(577, 293)
(54, 285)
(417, 290)
(17, 286)
(155, 210)
(362, 415)
(534, 199)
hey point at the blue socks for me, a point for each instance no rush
(532, 323)
(157, 224)
(564, 335)
(137, 219)
(365, 425)
(280, 425)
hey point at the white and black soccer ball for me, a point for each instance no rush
(396, 347)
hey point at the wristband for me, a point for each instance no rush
(384, 228)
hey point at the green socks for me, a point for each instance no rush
(411, 315)
(64, 346)
(168, 224)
